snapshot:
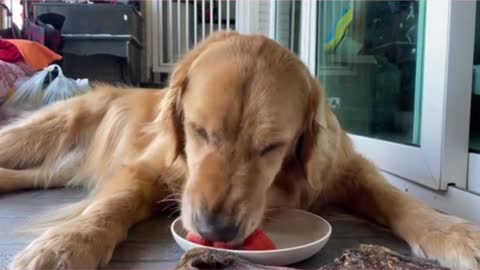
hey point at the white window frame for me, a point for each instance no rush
(442, 157)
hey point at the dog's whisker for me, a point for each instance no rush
(169, 200)
(268, 215)
(174, 212)
(165, 208)
(172, 195)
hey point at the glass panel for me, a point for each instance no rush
(369, 59)
(287, 25)
(475, 111)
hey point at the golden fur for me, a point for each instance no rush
(242, 127)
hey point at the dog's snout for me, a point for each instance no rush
(216, 228)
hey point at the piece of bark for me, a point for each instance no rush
(363, 257)
(377, 257)
(199, 259)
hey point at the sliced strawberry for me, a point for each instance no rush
(197, 239)
(258, 240)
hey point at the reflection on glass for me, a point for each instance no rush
(370, 63)
(287, 26)
(475, 111)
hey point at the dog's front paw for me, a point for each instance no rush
(60, 250)
(451, 241)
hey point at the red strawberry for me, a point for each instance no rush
(258, 240)
(198, 240)
(222, 245)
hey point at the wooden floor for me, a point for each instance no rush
(150, 245)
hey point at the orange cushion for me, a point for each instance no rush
(36, 55)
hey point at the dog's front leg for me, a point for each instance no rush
(88, 240)
(452, 241)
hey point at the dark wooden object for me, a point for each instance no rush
(363, 257)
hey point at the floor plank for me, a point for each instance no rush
(150, 244)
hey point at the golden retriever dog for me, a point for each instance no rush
(242, 127)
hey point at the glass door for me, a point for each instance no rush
(398, 75)
(287, 24)
(370, 61)
(392, 74)
(474, 143)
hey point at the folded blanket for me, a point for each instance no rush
(9, 52)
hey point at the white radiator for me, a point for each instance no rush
(178, 24)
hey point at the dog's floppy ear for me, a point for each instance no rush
(171, 112)
(308, 150)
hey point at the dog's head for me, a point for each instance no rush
(240, 107)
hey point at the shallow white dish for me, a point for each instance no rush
(297, 235)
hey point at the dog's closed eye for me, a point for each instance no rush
(271, 148)
(201, 132)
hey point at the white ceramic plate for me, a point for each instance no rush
(297, 235)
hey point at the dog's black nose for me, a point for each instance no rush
(216, 228)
